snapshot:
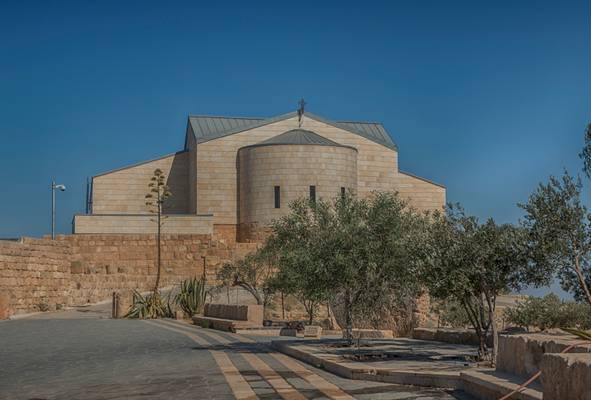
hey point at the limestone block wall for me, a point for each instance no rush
(102, 264)
(192, 174)
(217, 171)
(421, 194)
(34, 274)
(138, 224)
(80, 269)
(294, 168)
(377, 168)
(123, 191)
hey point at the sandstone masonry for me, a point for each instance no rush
(41, 274)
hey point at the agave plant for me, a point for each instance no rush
(585, 335)
(191, 297)
(151, 306)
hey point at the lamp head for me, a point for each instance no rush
(61, 187)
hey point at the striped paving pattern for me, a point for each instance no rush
(238, 357)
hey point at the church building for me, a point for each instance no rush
(236, 175)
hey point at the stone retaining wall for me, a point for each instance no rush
(41, 274)
(34, 274)
(522, 354)
(566, 376)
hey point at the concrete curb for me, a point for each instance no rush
(402, 377)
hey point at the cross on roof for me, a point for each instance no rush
(301, 104)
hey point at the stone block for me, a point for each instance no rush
(312, 331)
(237, 312)
(371, 334)
(288, 332)
(122, 302)
(566, 376)
(4, 305)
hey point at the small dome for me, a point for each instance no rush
(299, 136)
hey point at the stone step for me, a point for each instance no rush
(488, 384)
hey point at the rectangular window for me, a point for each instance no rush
(313, 193)
(342, 192)
(277, 197)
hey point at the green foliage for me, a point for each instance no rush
(158, 191)
(450, 314)
(151, 306)
(585, 154)
(470, 263)
(359, 252)
(191, 297)
(559, 235)
(549, 312)
(251, 273)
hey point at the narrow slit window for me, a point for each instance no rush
(277, 197)
(342, 192)
(313, 193)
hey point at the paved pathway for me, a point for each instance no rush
(94, 358)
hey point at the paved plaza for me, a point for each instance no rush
(84, 355)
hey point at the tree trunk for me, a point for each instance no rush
(495, 335)
(582, 280)
(253, 292)
(348, 320)
(482, 348)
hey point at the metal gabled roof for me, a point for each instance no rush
(206, 128)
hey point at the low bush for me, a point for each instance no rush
(450, 314)
(151, 306)
(549, 312)
(191, 297)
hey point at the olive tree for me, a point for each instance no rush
(559, 235)
(471, 263)
(250, 273)
(585, 154)
(358, 252)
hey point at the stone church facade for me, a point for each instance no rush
(235, 175)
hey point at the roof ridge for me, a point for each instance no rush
(360, 122)
(225, 116)
(264, 118)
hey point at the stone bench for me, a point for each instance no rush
(360, 334)
(230, 317)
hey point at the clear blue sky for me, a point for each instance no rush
(488, 99)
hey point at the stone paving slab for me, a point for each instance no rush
(414, 362)
(74, 356)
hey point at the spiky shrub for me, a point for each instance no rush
(191, 297)
(585, 335)
(151, 306)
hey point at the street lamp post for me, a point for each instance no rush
(53, 187)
